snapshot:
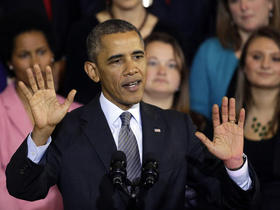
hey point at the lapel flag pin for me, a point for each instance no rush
(157, 130)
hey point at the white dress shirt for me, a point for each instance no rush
(112, 113)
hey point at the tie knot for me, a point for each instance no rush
(125, 118)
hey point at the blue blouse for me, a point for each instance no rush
(211, 73)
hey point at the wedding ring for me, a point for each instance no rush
(232, 121)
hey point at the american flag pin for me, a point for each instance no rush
(157, 130)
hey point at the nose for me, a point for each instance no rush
(131, 68)
(161, 69)
(243, 5)
(265, 63)
(34, 60)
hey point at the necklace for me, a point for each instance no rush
(261, 130)
(142, 24)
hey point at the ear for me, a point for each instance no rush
(92, 71)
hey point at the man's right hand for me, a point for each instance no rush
(47, 112)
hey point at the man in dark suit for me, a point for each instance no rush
(77, 156)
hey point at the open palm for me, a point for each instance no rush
(47, 112)
(228, 140)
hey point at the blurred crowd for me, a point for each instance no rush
(197, 53)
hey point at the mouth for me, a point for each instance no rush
(265, 74)
(160, 80)
(132, 86)
(246, 17)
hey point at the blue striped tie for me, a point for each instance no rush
(128, 144)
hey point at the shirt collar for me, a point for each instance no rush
(112, 112)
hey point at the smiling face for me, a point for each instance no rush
(163, 74)
(121, 68)
(29, 48)
(249, 15)
(262, 64)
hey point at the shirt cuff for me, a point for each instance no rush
(241, 176)
(35, 153)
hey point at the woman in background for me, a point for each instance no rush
(167, 76)
(258, 90)
(26, 41)
(217, 58)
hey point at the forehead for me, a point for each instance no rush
(263, 44)
(159, 46)
(121, 43)
(29, 39)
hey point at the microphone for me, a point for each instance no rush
(149, 171)
(118, 169)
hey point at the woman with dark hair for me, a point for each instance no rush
(26, 42)
(132, 11)
(167, 83)
(258, 90)
(217, 58)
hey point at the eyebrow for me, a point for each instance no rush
(121, 55)
(138, 52)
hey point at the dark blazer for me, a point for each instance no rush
(78, 161)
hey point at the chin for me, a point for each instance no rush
(134, 100)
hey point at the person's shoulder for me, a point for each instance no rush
(212, 44)
(169, 115)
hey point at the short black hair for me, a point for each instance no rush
(20, 22)
(111, 26)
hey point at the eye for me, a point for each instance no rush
(138, 56)
(256, 56)
(116, 61)
(276, 58)
(172, 65)
(41, 51)
(152, 62)
(23, 55)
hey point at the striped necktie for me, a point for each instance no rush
(128, 144)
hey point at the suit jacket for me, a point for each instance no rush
(79, 157)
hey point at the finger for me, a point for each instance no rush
(49, 78)
(241, 119)
(31, 80)
(39, 76)
(225, 109)
(69, 100)
(25, 90)
(232, 110)
(215, 115)
(204, 140)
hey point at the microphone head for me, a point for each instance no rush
(149, 170)
(118, 156)
(118, 168)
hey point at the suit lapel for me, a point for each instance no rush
(153, 132)
(98, 132)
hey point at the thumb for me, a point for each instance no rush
(69, 100)
(204, 140)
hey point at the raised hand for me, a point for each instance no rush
(47, 112)
(228, 141)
